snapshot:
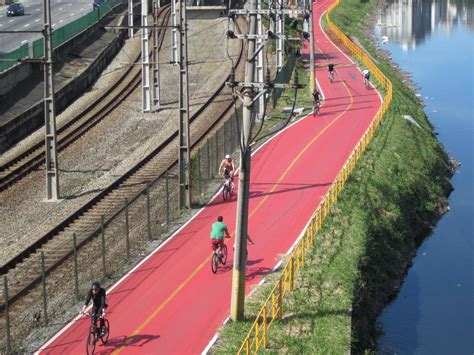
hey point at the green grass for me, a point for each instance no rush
(386, 207)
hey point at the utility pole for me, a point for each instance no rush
(311, 49)
(52, 176)
(240, 255)
(155, 58)
(146, 93)
(130, 18)
(259, 74)
(184, 160)
(279, 32)
(174, 37)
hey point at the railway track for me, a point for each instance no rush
(86, 221)
(34, 157)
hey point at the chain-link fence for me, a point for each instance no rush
(59, 36)
(138, 226)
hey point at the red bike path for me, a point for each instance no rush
(172, 302)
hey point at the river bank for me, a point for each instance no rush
(390, 204)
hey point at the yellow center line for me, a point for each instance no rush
(274, 187)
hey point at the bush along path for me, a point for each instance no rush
(390, 203)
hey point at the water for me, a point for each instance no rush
(434, 312)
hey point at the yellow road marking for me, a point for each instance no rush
(186, 281)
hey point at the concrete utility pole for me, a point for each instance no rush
(279, 33)
(130, 18)
(240, 255)
(146, 93)
(184, 135)
(311, 49)
(155, 58)
(259, 75)
(52, 176)
(174, 37)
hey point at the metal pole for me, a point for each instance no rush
(155, 66)
(208, 156)
(52, 176)
(167, 190)
(127, 230)
(174, 35)
(130, 18)
(148, 214)
(7, 313)
(102, 234)
(240, 255)
(146, 93)
(311, 50)
(199, 172)
(74, 255)
(43, 282)
(184, 136)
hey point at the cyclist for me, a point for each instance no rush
(219, 229)
(331, 71)
(366, 75)
(228, 167)
(99, 303)
(316, 101)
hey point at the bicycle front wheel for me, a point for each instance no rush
(214, 262)
(224, 192)
(90, 345)
(224, 254)
(104, 338)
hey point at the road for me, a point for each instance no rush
(62, 12)
(171, 303)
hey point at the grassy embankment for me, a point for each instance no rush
(387, 206)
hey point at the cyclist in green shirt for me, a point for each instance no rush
(219, 229)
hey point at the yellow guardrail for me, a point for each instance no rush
(272, 308)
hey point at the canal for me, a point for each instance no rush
(434, 311)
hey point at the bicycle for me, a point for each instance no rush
(316, 107)
(331, 76)
(95, 333)
(366, 83)
(218, 256)
(228, 189)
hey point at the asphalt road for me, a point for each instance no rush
(62, 12)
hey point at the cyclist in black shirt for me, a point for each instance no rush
(99, 302)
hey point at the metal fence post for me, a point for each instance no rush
(280, 299)
(216, 161)
(7, 313)
(74, 254)
(102, 232)
(167, 198)
(43, 282)
(225, 138)
(148, 217)
(208, 154)
(199, 172)
(264, 325)
(127, 230)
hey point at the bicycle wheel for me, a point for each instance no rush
(224, 254)
(104, 338)
(214, 262)
(224, 192)
(90, 345)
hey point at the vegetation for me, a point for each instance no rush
(390, 203)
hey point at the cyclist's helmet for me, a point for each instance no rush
(95, 285)
(227, 156)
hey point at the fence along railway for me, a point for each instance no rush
(33, 158)
(24, 275)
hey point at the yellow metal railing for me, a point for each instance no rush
(272, 308)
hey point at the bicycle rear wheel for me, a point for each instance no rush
(104, 338)
(90, 345)
(224, 192)
(214, 262)
(224, 254)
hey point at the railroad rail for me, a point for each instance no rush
(34, 157)
(86, 221)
